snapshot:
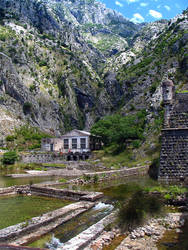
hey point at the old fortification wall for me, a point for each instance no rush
(174, 154)
(179, 112)
(174, 150)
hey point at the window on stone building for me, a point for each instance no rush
(83, 143)
(66, 143)
(74, 143)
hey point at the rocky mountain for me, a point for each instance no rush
(66, 63)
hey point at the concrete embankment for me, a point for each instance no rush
(84, 238)
(7, 191)
(65, 193)
(51, 192)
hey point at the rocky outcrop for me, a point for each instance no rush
(17, 99)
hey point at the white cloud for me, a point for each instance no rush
(158, 6)
(167, 7)
(155, 14)
(144, 4)
(118, 3)
(137, 18)
(132, 1)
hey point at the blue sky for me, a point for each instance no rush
(147, 10)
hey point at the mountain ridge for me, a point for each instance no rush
(76, 65)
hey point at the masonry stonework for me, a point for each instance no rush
(174, 150)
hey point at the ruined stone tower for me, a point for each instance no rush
(174, 150)
(168, 98)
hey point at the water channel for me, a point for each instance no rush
(114, 191)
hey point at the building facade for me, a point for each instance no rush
(75, 141)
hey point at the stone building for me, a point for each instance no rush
(174, 150)
(75, 141)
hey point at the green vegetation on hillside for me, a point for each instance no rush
(25, 138)
(117, 131)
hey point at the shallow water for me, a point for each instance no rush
(16, 209)
(117, 189)
(113, 191)
(173, 240)
(6, 181)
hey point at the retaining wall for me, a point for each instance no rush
(121, 173)
(54, 157)
(42, 158)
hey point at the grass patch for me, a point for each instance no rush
(23, 166)
(63, 180)
(56, 165)
(124, 159)
(168, 192)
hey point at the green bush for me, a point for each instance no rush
(27, 107)
(9, 157)
(95, 178)
(153, 88)
(42, 63)
(32, 87)
(86, 177)
(10, 138)
(63, 180)
(136, 144)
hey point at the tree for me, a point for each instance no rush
(9, 157)
(117, 129)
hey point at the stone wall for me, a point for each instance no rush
(65, 193)
(179, 112)
(41, 158)
(54, 157)
(174, 154)
(112, 174)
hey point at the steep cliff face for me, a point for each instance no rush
(164, 56)
(55, 67)
(65, 64)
